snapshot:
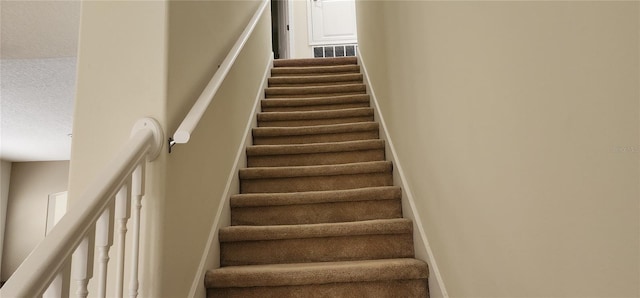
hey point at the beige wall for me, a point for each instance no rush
(5, 179)
(517, 124)
(30, 185)
(301, 46)
(200, 35)
(121, 78)
(154, 61)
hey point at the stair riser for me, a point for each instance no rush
(315, 138)
(317, 183)
(315, 115)
(314, 122)
(319, 102)
(305, 92)
(316, 213)
(315, 107)
(312, 73)
(314, 62)
(315, 158)
(310, 80)
(323, 249)
(391, 289)
(310, 95)
(316, 84)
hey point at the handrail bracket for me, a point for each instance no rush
(170, 143)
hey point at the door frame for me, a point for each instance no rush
(285, 28)
(288, 7)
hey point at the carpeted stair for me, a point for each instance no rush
(317, 214)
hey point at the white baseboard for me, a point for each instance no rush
(211, 254)
(421, 244)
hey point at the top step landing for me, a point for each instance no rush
(314, 62)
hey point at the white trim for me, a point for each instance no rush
(334, 43)
(437, 288)
(290, 33)
(283, 33)
(309, 24)
(207, 261)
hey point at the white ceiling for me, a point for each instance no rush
(38, 50)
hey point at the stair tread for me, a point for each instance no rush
(320, 89)
(286, 149)
(316, 197)
(317, 206)
(316, 273)
(335, 99)
(314, 70)
(312, 115)
(319, 170)
(318, 129)
(313, 90)
(324, 78)
(315, 61)
(318, 230)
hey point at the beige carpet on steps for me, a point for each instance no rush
(317, 214)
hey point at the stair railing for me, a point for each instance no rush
(99, 217)
(183, 133)
(93, 222)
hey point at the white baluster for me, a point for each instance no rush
(82, 266)
(104, 240)
(123, 212)
(137, 191)
(55, 288)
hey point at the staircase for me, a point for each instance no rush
(317, 214)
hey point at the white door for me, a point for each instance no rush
(332, 21)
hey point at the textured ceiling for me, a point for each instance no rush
(38, 49)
